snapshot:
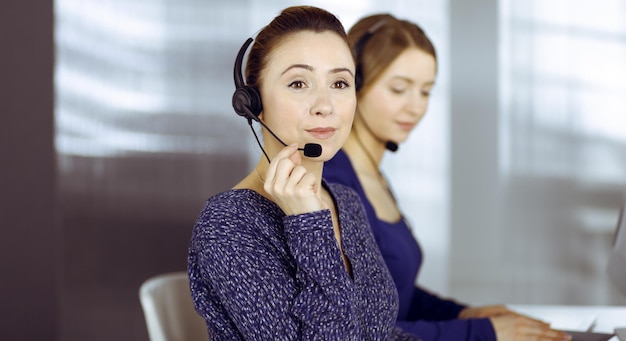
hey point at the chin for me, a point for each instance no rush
(327, 153)
(324, 157)
(401, 138)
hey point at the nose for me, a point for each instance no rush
(322, 104)
(417, 103)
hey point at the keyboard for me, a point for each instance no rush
(589, 336)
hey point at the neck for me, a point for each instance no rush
(366, 149)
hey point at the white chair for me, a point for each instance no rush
(169, 311)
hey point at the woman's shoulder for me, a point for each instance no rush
(236, 209)
(238, 201)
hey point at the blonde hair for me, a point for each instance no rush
(378, 40)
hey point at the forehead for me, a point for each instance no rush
(311, 48)
(414, 63)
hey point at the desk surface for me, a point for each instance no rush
(603, 319)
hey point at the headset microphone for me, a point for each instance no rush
(310, 149)
(247, 103)
(391, 146)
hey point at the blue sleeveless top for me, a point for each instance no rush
(420, 312)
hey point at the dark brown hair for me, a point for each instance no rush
(291, 20)
(388, 38)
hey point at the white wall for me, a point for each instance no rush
(538, 149)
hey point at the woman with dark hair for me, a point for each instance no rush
(284, 255)
(396, 68)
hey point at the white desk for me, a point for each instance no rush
(604, 319)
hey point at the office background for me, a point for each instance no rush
(118, 125)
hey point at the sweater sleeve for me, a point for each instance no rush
(451, 330)
(240, 273)
(436, 319)
(426, 305)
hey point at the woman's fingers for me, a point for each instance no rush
(519, 327)
(290, 184)
(537, 330)
(285, 153)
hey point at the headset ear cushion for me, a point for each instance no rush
(247, 102)
(358, 79)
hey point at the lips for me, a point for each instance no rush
(322, 132)
(406, 126)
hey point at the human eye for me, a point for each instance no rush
(341, 84)
(398, 86)
(426, 92)
(398, 90)
(297, 84)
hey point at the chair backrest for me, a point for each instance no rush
(169, 311)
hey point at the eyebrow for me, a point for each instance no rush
(310, 68)
(408, 80)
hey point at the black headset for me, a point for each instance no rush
(246, 99)
(358, 48)
(247, 103)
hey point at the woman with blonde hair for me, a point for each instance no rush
(396, 70)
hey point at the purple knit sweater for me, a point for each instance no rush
(256, 274)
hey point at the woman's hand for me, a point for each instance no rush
(510, 325)
(516, 327)
(293, 188)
